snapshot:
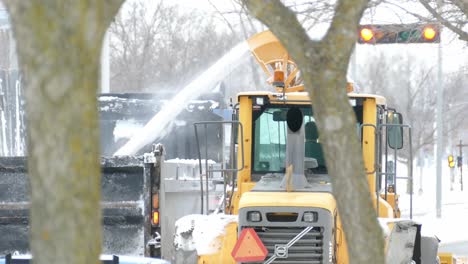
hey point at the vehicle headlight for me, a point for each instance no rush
(310, 217)
(254, 216)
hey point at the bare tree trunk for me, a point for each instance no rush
(59, 44)
(323, 65)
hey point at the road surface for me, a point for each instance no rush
(457, 248)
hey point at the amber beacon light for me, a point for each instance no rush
(429, 33)
(366, 34)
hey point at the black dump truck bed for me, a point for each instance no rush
(126, 187)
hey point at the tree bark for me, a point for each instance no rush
(59, 44)
(323, 65)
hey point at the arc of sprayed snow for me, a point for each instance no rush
(156, 127)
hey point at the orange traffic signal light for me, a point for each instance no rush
(399, 33)
(366, 34)
(429, 33)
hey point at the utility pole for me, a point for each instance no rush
(450, 144)
(439, 127)
(460, 161)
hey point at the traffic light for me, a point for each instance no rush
(451, 161)
(459, 161)
(399, 33)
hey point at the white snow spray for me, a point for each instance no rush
(157, 126)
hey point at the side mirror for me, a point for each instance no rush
(395, 130)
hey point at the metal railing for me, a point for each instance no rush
(378, 133)
(210, 169)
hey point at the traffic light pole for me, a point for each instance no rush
(439, 131)
(415, 33)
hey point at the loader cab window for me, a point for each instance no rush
(269, 152)
(270, 136)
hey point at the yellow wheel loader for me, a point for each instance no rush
(282, 194)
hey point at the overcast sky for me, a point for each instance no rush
(455, 52)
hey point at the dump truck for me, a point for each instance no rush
(138, 198)
(136, 190)
(282, 195)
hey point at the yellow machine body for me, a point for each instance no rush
(271, 55)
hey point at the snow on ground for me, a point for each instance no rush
(451, 226)
(201, 232)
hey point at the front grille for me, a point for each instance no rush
(308, 249)
(315, 247)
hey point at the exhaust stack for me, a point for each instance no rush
(294, 178)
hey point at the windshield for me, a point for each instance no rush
(270, 132)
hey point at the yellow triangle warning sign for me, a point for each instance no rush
(249, 247)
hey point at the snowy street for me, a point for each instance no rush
(451, 227)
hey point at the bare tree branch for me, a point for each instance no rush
(344, 28)
(222, 16)
(462, 5)
(274, 12)
(462, 34)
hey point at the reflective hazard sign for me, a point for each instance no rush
(249, 247)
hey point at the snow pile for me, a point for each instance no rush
(187, 169)
(189, 161)
(108, 98)
(201, 232)
(202, 105)
(125, 129)
(383, 222)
